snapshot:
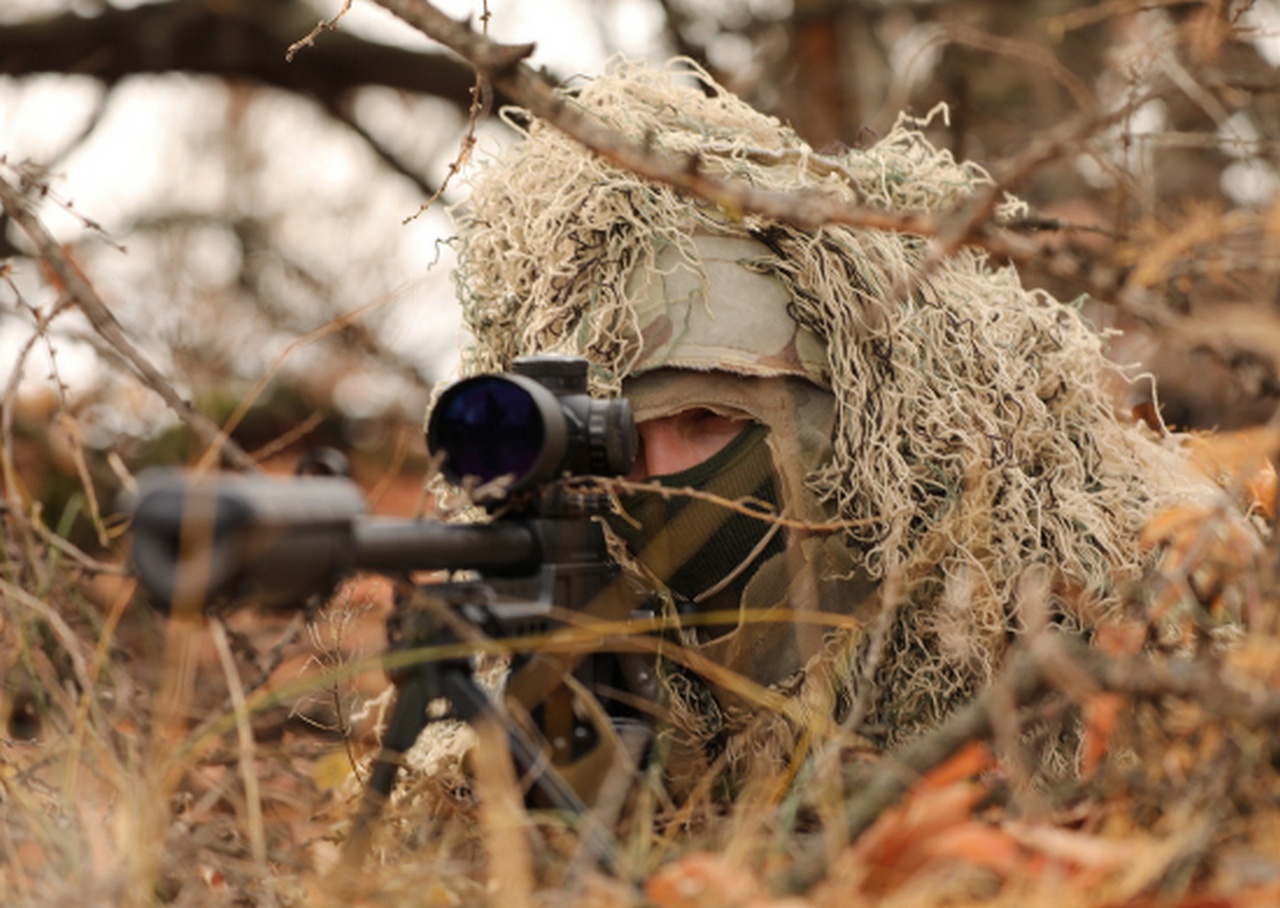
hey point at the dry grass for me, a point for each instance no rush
(145, 762)
(169, 763)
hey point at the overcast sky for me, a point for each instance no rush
(151, 143)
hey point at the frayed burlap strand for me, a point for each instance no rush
(973, 436)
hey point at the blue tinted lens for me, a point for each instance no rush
(489, 427)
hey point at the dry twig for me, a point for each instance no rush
(1043, 666)
(502, 66)
(78, 288)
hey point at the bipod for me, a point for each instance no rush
(426, 617)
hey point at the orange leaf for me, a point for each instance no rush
(1101, 711)
(1120, 638)
(1242, 462)
(897, 844)
(697, 879)
(966, 763)
(1170, 525)
(983, 845)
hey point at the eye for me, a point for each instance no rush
(702, 416)
(672, 444)
(702, 423)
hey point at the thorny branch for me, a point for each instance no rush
(81, 291)
(502, 65)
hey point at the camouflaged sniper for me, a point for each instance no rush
(955, 419)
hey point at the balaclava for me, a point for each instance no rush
(951, 424)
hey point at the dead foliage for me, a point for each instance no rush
(219, 762)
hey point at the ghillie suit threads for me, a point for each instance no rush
(954, 422)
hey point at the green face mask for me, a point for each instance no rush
(703, 551)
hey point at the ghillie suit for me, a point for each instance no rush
(954, 422)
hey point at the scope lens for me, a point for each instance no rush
(487, 427)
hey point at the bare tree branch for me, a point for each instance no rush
(502, 66)
(385, 154)
(236, 40)
(78, 288)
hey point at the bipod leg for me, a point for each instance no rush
(472, 704)
(408, 719)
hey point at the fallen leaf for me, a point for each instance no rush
(1101, 712)
(700, 879)
(966, 763)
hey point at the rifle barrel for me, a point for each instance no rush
(503, 549)
(279, 542)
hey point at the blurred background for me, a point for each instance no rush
(229, 198)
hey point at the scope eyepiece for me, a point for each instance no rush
(528, 427)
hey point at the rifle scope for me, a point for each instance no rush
(278, 542)
(528, 427)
